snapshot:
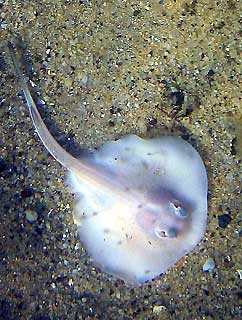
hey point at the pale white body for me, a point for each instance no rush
(119, 225)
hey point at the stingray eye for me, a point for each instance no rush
(169, 233)
(178, 209)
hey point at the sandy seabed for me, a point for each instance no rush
(105, 69)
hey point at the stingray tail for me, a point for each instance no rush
(63, 157)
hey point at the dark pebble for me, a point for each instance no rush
(40, 207)
(27, 192)
(152, 122)
(136, 13)
(6, 168)
(233, 147)
(177, 98)
(3, 165)
(224, 220)
(210, 76)
(3, 64)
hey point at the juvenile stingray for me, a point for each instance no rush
(141, 203)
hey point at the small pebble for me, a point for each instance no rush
(27, 192)
(209, 265)
(31, 215)
(3, 26)
(70, 282)
(3, 165)
(224, 220)
(159, 309)
(53, 285)
(118, 295)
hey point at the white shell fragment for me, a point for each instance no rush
(240, 273)
(209, 265)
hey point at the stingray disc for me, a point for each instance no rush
(151, 211)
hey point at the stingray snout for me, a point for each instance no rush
(167, 219)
